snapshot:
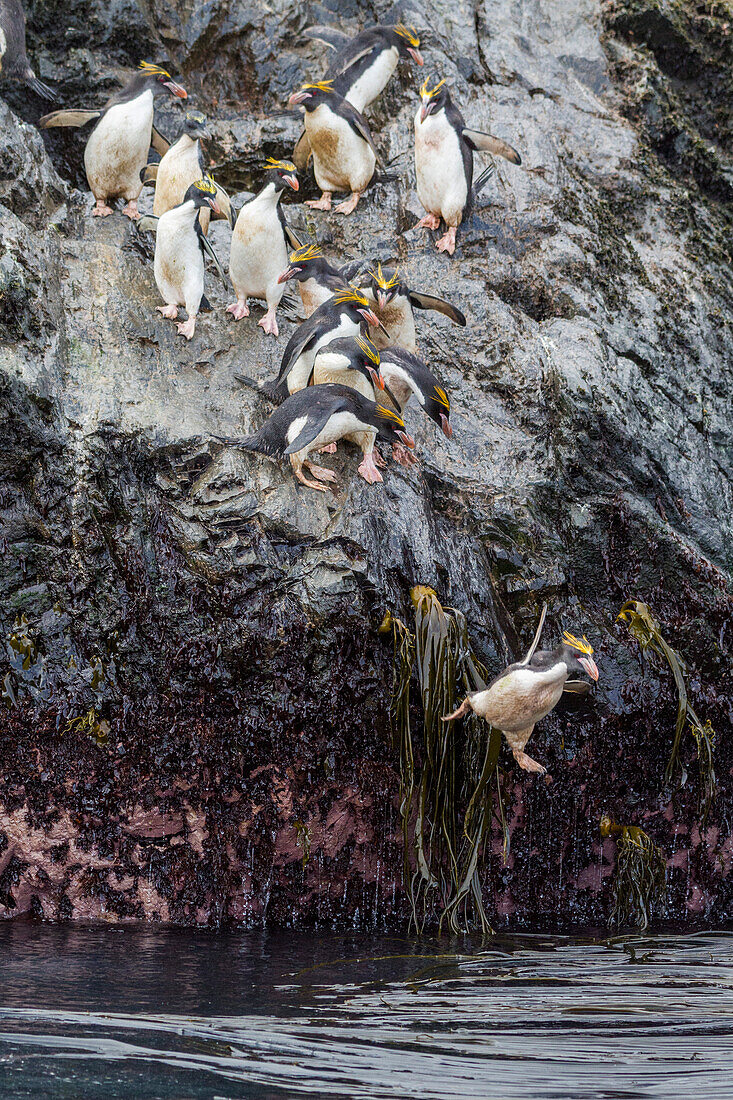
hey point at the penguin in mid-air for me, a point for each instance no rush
(317, 279)
(13, 59)
(317, 416)
(341, 143)
(182, 165)
(362, 66)
(180, 248)
(527, 691)
(444, 148)
(117, 149)
(260, 244)
(345, 314)
(394, 303)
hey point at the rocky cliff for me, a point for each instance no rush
(194, 723)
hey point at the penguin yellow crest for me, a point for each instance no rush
(282, 165)
(408, 33)
(387, 414)
(428, 93)
(381, 279)
(154, 70)
(345, 296)
(369, 349)
(206, 184)
(441, 397)
(194, 116)
(582, 645)
(320, 86)
(307, 252)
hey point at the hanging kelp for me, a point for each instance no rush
(639, 884)
(446, 798)
(645, 629)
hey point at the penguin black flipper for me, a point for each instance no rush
(484, 178)
(158, 142)
(576, 687)
(490, 144)
(148, 223)
(429, 301)
(292, 238)
(315, 423)
(207, 250)
(149, 173)
(205, 305)
(350, 271)
(357, 123)
(302, 152)
(329, 36)
(536, 640)
(228, 213)
(299, 342)
(68, 118)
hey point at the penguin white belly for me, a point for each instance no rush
(118, 147)
(313, 295)
(340, 426)
(179, 265)
(373, 80)
(342, 160)
(398, 319)
(520, 699)
(258, 253)
(179, 168)
(301, 370)
(441, 178)
(352, 378)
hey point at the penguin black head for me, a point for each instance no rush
(195, 125)
(203, 193)
(312, 95)
(437, 406)
(282, 174)
(362, 356)
(355, 302)
(407, 42)
(568, 651)
(159, 77)
(386, 287)
(304, 263)
(391, 426)
(433, 100)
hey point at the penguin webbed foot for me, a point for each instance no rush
(131, 211)
(464, 709)
(169, 312)
(527, 764)
(321, 486)
(101, 210)
(349, 205)
(324, 203)
(378, 460)
(368, 470)
(239, 309)
(269, 323)
(401, 454)
(430, 221)
(447, 242)
(329, 449)
(321, 472)
(187, 328)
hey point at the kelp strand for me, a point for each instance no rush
(639, 883)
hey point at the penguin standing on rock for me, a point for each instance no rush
(343, 151)
(527, 691)
(180, 247)
(362, 66)
(394, 303)
(182, 165)
(117, 150)
(318, 416)
(260, 243)
(13, 58)
(317, 279)
(444, 148)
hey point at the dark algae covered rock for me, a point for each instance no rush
(196, 713)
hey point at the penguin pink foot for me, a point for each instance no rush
(238, 309)
(269, 324)
(131, 210)
(349, 205)
(321, 472)
(369, 471)
(187, 328)
(527, 764)
(324, 203)
(430, 221)
(101, 210)
(329, 449)
(447, 243)
(378, 460)
(321, 486)
(401, 454)
(170, 312)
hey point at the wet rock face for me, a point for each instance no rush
(195, 724)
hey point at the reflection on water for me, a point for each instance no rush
(170, 1014)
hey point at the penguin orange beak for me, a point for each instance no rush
(298, 97)
(176, 89)
(382, 299)
(292, 181)
(426, 109)
(446, 426)
(590, 667)
(369, 315)
(287, 274)
(214, 206)
(415, 55)
(406, 439)
(376, 377)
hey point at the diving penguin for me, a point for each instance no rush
(260, 243)
(527, 691)
(317, 279)
(117, 149)
(394, 302)
(318, 416)
(343, 151)
(181, 165)
(362, 66)
(444, 148)
(13, 59)
(180, 247)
